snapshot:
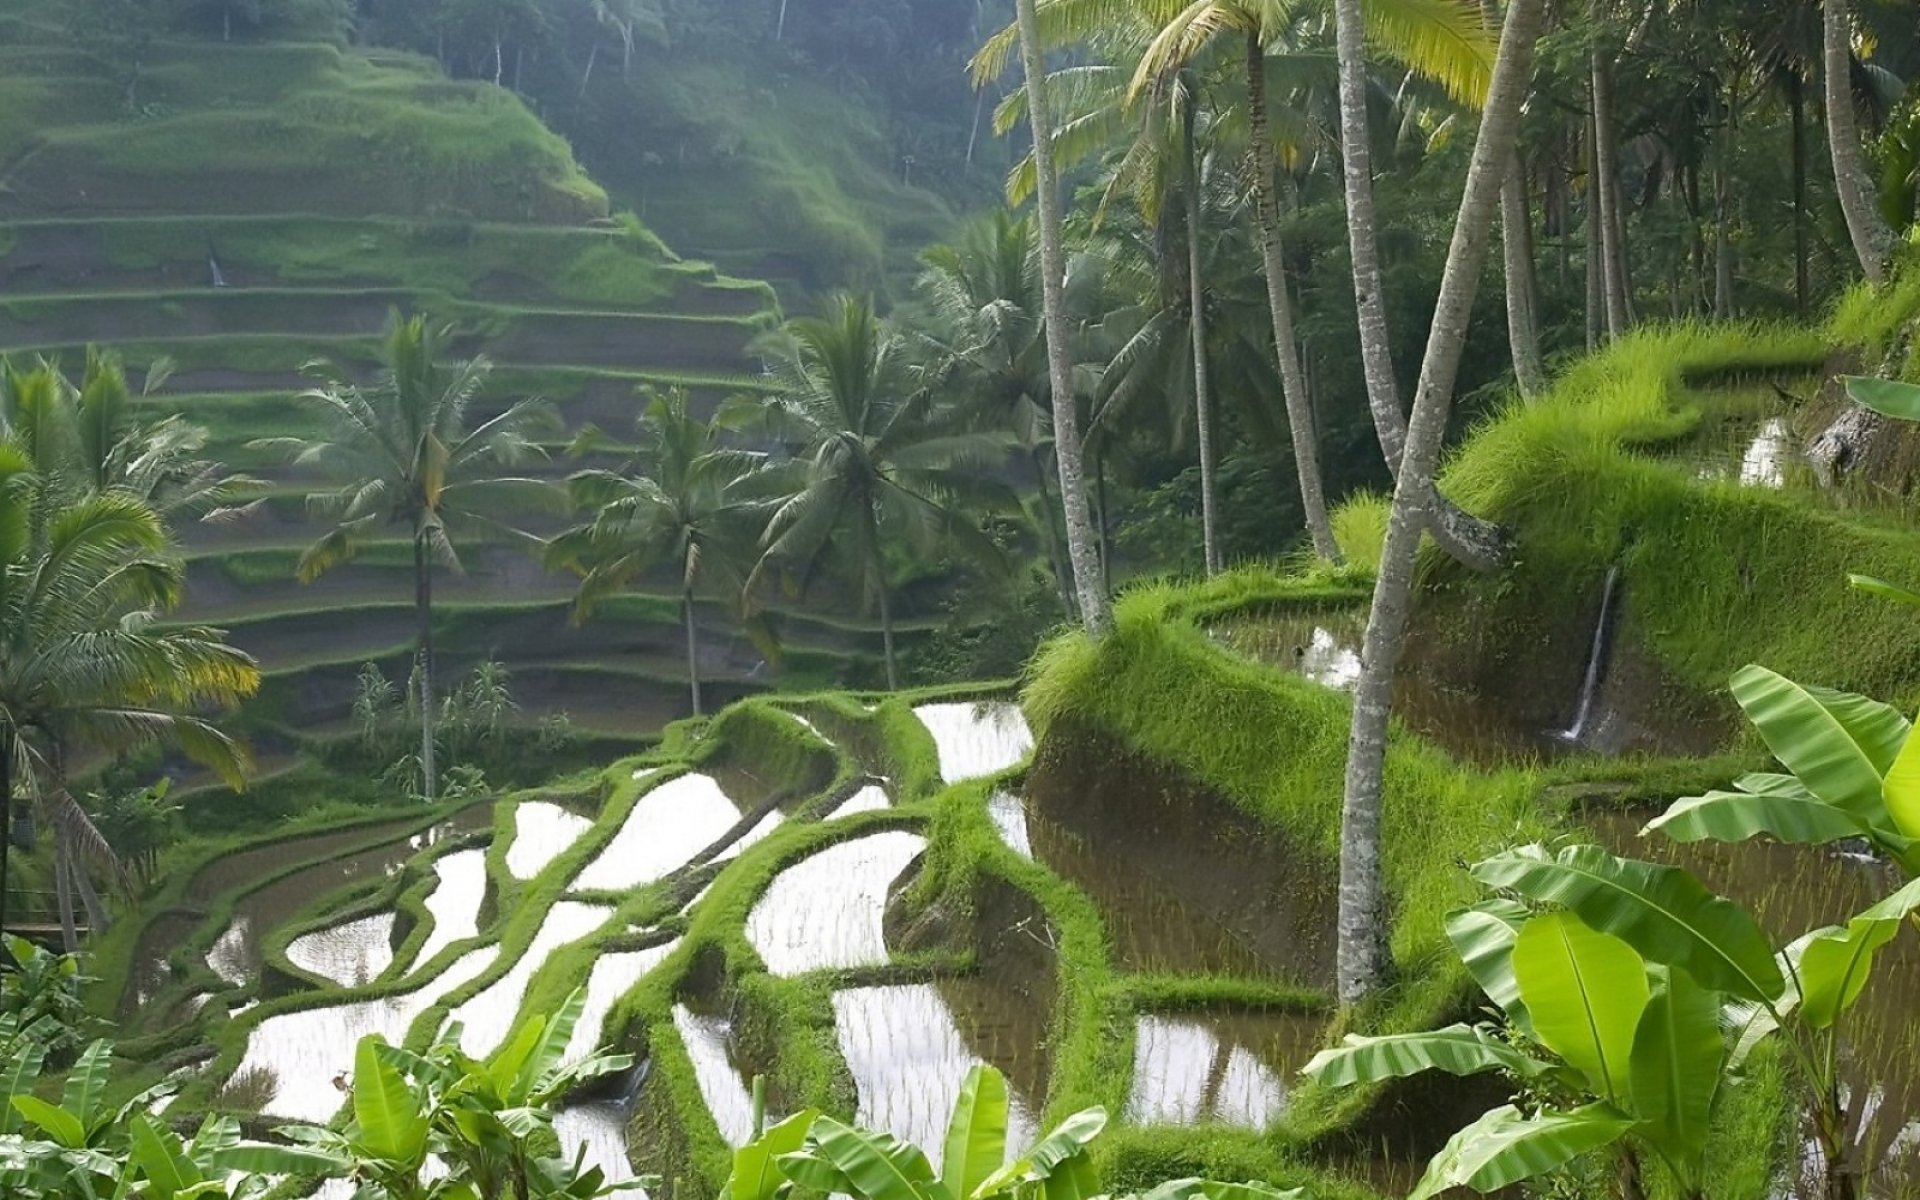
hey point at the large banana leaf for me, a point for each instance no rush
(876, 1166)
(1888, 397)
(1586, 991)
(1832, 965)
(1067, 1139)
(1483, 936)
(1885, 590)
(1503, 1147)
(1457, 1050)
(1839, 745)
(1679, 1060)
(392, 1118)
(161, 1160)
(1796, 816)
(1662, 912)
(542, 1064)
(1072, 1178)
(756, 1167)
(56, 1122)
(977, 1133)
(1900, 793)
(17, 1079)
(86, 1081)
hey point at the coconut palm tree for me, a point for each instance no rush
(403, 453)
(687, 499)
(88, 488)
(83, 576)
(877, 464)
(1088, 579)
(1363, 960)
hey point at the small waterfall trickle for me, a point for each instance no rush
(1596, 660)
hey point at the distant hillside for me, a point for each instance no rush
(268, 204)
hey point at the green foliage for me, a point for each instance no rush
(40, 992)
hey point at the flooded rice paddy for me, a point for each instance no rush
(351, 954)
(542, 832)
(1232, 1069)
(667, 826)
(826, 912)
(975, 739)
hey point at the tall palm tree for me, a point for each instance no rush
(1363, 960)
(687, 499)
(404, 454)
(83, 576)
(877, 465)
(1095, 608)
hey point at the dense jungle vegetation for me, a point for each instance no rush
(1246, 599)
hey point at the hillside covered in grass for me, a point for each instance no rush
(264, 204)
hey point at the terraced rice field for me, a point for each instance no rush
(678, 907)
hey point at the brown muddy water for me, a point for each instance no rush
(1185, 882)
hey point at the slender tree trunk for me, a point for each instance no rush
(1523, 324)
(1364, 961)
(1596, 272)
(780, 26)
(1472, 542)
(1106, 530)
(1872, 240)
(1797, 113)
(97, 919)
(1306, 455)
(586, 76)
(1197, 323)
(1094, 610)
(423, 613)
(1516, 244)
(693, 648)
(1606, 169)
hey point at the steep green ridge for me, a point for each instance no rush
(268, 204)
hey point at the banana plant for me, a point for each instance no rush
(837, 1158)
(1854, 773)
(482, 1120)
(1631, 995)
(215, 1162)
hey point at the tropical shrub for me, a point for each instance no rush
(1630, 997)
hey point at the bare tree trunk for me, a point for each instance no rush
(1797, 113)
(1197, 323)
(1094, 610)
(1606, 170)
(1469, 540)
(1306, 455)
(423, 613)
(1050, 538)
(693, 648)
(1523, 323)
(1596, 272)
(1364, 961)
(1872, 240)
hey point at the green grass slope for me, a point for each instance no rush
(266, 204)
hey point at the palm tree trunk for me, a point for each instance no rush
(693, 648)
(1516, 240)
(1797, 113)
(1872, 240)
(1470, 541)
(1596, 272)
(423, 612)
(1094, 610)
(1306, 455)
(1614, 286)
(1516, 244)
(1197, 322)
(1363, 957)
(6, 817)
